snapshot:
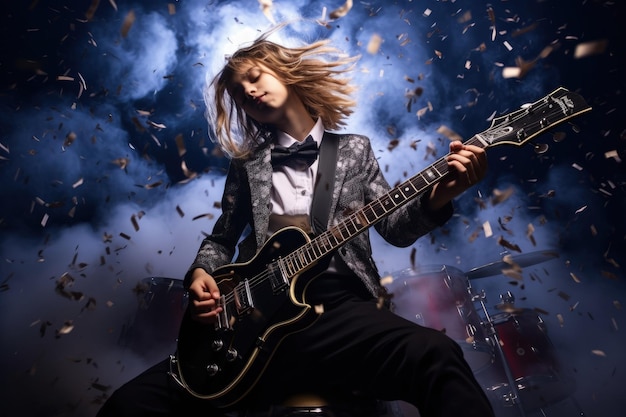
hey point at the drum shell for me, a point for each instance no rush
(531, 360)
(440, 297)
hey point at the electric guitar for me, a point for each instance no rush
(264, 300)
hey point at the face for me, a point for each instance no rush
(258, 92)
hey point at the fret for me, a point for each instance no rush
(351, 226)
(361, 219)
(343, 231)
(308, 253)
(387, 203)
(324, 242)
(369, 214)
(334, 232)
(291, 268)
(317, 251)
(422, 181)
(300, 257)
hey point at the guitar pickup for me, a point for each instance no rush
(277, 279)
(243, 298)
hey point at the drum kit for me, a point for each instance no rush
(509, 351)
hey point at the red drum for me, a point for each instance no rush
(440, 297)
(530, 357)
(162, 303)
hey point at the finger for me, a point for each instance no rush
(465, 167)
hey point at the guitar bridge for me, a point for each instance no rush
(223, 320)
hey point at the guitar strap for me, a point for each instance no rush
(325, 183)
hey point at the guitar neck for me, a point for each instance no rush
(515, 128)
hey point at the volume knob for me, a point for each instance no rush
(231, 355)
(212, 369)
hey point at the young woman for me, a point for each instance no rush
(268, 97)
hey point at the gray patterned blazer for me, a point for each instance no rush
(358, 181)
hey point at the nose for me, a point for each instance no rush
(249, 89)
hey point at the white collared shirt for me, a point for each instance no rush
(292, 190)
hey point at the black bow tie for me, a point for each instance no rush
(296, 155)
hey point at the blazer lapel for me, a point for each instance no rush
(259, 170)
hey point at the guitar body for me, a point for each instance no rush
(223, 362)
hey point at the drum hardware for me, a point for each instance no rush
(511, 398)
(527, 374)
(522, 260)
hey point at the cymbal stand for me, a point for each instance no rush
(513, 397)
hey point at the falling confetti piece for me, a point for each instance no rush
(501, 196)
(598, 352)
(590, 48)
(374, 44)
(67, 328)
(128, 23)
(341, 11)
(449, 133)
(487, 229)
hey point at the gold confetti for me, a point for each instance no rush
(121, 162)
(590, 48)
(266, 8)
(374, 44)
(128, 23)
(449, 133)
(599, 352)
(559, 317)
(501, 196)
(341, 11)
(68, 326)
(69, 139)
(91, 11)
(180, 144)
(530, 231)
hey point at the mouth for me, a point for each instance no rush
(258, 101)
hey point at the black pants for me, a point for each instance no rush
(355, 345)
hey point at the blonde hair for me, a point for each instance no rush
(316, 81)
